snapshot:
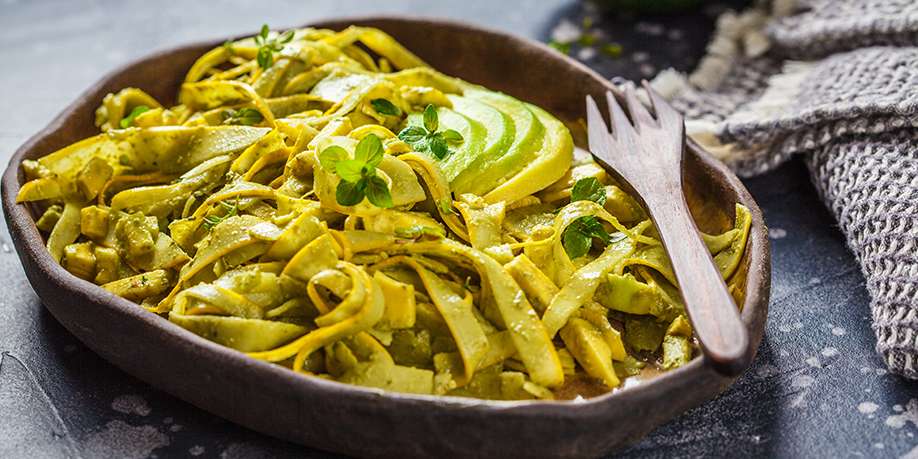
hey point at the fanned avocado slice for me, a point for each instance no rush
(487, 172)
(550, 162)
(474, 135)
(499, 137)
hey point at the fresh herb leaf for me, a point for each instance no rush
(588, 189)
(265, 58)
(438, 147)
(385, 107)
(452, 136)
(575, 243)
(228, 46)
(135, 112)
(426, 138)
(577, 238)
(358, 175)
(369, 150)
(244, 116)
(378, 192)
(412, 134)
(268, 46)
(350, 194)
(350, 170)
(431, 121)
(329, 157)
(564, 48)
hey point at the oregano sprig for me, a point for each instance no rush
(268, 46)
(358, 175)
(580, 235)
(385, 107)
(426, 138)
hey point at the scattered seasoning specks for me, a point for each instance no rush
(838, 331)
(784, 328)
(815, 280)
(777, 233)
(881, 372)
(867, 407)
(196, 450)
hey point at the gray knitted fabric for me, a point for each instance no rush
(852, 110)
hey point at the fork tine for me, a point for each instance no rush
(597, 131)
(665, 112)
(638, 111)
(621, 126)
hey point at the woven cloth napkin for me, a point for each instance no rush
(835, 81)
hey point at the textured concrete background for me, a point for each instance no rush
(816, 389)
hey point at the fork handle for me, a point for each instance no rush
(710, 306)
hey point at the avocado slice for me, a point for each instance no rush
(528, 131)
(474, 138)
(500, 132)
(550, 163)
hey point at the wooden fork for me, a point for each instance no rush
(645, 153)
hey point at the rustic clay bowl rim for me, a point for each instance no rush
(30, 245)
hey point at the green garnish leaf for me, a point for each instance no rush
(369, 150)
(135, 112)
(385, 107)
(378, 192)
(268, 46)
(412, 134)
(438, 147)
(265, 58)
(431, 122)
(426, 138)
(350, 194)
(578, 237)
(350, 170)
(244, 116)
(228, 46)
(452, 136)
(329, 157)
(358, 175)
(588, 189)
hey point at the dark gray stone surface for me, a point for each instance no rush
(816, 389)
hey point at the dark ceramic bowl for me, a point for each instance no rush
(362, 421)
